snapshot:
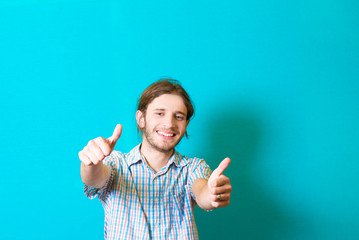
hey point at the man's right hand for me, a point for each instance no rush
(97, 149)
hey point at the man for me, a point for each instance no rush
(150, 192)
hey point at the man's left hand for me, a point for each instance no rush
(219, 186)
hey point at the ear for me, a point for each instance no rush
(186, 129)
(140, 118)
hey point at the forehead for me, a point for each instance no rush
(171, 102)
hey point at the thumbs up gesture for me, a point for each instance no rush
(97, 149)
(219, 186)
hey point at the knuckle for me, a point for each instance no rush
(213, 198)
(90, 143)
(107, 151)
(216, 204)
(102, 157)
(86, 150)
(100, 140)
(82, 156)
(87, 163)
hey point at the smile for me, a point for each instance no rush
(166, 134)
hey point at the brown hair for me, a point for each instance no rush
(164, 86)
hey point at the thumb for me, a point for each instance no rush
(222, 166)
(116, 134)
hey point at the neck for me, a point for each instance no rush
(155, 158)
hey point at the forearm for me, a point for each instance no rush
(95, 175)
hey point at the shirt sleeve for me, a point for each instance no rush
(200, 170)
(102, 193)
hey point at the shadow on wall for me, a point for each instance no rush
(252, 213)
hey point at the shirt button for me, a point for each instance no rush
(156, 200)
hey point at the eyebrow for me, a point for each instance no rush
(181, 113)
(177, 112)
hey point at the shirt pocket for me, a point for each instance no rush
(177, 200)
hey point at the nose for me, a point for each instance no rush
(169, 121)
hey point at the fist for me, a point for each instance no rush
(219, 186)
(97, 149)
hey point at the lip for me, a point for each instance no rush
(166, 134)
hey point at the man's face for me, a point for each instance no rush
(164, 123)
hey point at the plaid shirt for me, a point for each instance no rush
(142, 204)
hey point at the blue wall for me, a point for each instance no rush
(275, 85)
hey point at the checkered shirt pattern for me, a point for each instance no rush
(142, 204)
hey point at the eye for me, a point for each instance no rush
(179, 117)
(159, 113)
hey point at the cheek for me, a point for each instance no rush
(150, 123)
(183, 127)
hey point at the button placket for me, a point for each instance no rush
(156, 205)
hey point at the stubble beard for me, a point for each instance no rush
(164, 148)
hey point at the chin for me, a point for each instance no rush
(166, 148)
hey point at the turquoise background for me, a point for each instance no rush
(275, 85)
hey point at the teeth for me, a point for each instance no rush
(166, 134)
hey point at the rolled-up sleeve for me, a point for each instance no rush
(103, 192)
(200, 169)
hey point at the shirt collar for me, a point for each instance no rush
(176, 158)
(134, 155)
